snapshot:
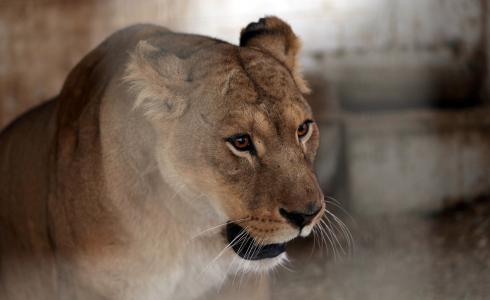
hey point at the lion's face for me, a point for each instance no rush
(244, 140)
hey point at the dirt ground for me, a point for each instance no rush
(445, 255)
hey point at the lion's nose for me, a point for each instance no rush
(300, 219)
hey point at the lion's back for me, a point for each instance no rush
(39, 147)
(25, 254)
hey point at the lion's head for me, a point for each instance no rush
(234, 129)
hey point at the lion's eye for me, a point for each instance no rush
(241, 142)
(304, 130)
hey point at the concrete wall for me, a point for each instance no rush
(425, 48)
(417, 160)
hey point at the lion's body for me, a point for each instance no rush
(63, 233)
(102, 199)
(42, 257)
(24, 237)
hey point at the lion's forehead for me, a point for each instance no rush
(264, 119)
(273, 80)
(252, 74)
(269, 75)
(256, 91)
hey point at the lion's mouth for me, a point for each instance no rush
(247, 248)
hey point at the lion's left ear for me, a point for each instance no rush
(276, 37)
(159, 79)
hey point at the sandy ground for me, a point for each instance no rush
(437, 256)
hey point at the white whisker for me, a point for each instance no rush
(345, 230)
(327, 235)
(334, 235)
(219, 226)
(229, 245)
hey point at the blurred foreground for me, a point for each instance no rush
(401, 92)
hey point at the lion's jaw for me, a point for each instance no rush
(210, 222)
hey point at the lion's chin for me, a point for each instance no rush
(259, 266)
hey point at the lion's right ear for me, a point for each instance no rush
(276, 37)
(159, 79)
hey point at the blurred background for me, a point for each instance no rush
(401, 91)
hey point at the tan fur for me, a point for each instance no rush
(280, 41)
(109, 191)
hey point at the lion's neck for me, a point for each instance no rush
(161, 226)
(176, 251)
(170, 240)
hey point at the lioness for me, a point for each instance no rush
(167, 162)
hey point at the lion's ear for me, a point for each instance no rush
(159, 79)
(276, 37)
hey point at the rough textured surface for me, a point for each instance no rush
(429, 50)
(41, 41)
(419, 160)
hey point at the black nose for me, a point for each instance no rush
(299, 219)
